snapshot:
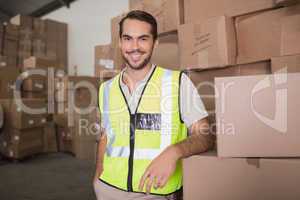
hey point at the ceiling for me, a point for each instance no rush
(36, 8)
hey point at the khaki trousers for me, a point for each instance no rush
(106, 192)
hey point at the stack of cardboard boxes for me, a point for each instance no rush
(38, 78)
(40, 38)
(67, 121)
(240, 55)
(23, 127)
(27, 85)
(10, 44)
(76, 115)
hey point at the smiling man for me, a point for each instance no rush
(151, 118)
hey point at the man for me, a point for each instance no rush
(145, 112)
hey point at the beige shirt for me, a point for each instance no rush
(191, 105)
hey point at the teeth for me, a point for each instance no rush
(136, 56)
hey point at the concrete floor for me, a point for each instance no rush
(47, 177)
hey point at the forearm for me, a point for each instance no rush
(200, 140)
(101, 150)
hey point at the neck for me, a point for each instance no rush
(137, 75)
(131, 76)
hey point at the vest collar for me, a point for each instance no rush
(154, 67)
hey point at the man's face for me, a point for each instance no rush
(136, 43)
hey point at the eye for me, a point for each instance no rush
(126, 38)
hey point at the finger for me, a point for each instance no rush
(149, 184)
(163, 181)
(157, 182)
(143, 179)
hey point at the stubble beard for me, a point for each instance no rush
(140, 66)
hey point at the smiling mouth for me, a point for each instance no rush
(135, 56)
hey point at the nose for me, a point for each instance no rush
(135, 44)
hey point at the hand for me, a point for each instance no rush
(99, 170)
(160, 170)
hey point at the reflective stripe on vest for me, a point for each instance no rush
(166, 121)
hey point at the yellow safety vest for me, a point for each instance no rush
(134, 140)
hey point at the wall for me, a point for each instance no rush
(89, 25)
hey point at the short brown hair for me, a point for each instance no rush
(141, 16)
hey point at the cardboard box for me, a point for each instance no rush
(51, 38)
(21, 144)
(1, 38)
(25, 33)
(49, 138)
(290, 33)
(1, 42)
(36, 62)
(85, 149)
(104, 62)
(209, 44)
(82, 88)
(7, 88)
(257, 116)
(168, 13)
(104, 57)
(64, 114)
(106, 74)
(39, 28)
(34, 95)
(252, 48)
(57, 42)
(1, 29)
(25, 48)
(61, 116)
(11, 31)
(286, 2)
(10, 50)
(18, 117)
(201, 10)
(206, 176)
(119, 63)
(286, 64)
(10, 73)
(132, 3)
(39, 47)
(3, 61)
(62, 46)
(65, 143)
(39, 84)
(85, 124)
(8, 76)
(1, 117)
(166, 53)
(22, 20)
(35, 83)
(114, 26)
(68, 116)
(204, 80)
(24, 44)
(86, 132)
